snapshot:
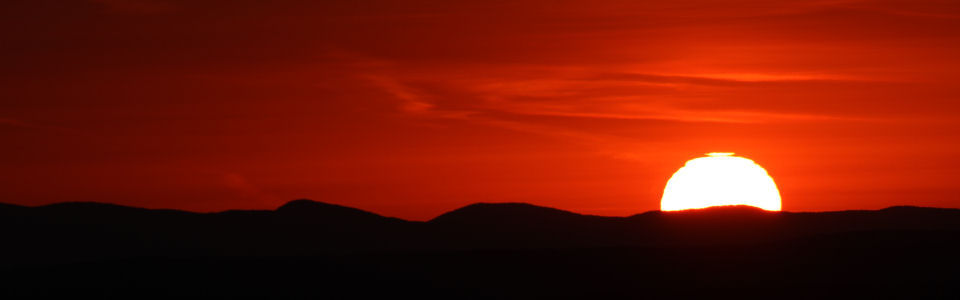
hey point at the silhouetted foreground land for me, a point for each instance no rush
(308, 249)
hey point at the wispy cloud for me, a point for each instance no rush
(414, 102)
(716, 79)
(683, 98)
(709, 116)
(515, 102)
(409, 101)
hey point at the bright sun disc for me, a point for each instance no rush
(720, 179)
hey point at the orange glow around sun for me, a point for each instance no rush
(720, 179)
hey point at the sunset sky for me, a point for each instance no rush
(414, 108)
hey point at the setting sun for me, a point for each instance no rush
(720, 179)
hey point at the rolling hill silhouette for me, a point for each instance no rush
(486, 250)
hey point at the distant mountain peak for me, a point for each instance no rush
(725, 208)
(515, 207)
(315, 210)
(508, 205)
(307, 204)
(502, 212)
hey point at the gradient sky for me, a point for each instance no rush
(413, 108)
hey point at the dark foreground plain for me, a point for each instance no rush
(313, 250)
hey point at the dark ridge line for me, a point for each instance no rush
(303, 203)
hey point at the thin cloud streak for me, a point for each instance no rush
(559, 98)
(737, 117)
(606, 95)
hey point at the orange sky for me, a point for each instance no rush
(414, 108)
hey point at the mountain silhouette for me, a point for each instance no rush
(312, 212)
(484, 214)
(325, 211)
(309, 249)
(512, 216)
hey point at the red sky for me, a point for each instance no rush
(414, 108)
